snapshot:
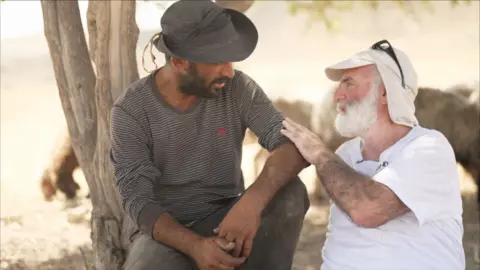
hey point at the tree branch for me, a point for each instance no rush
(123, 60)
(92, 28)
(115, 45)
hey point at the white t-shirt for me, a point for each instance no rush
(421, 170)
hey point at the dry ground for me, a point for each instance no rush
(53, 236)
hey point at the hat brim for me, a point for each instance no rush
(236, 51)
(335, 72)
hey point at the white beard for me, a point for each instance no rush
(358, 116)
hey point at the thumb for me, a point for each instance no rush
(224, 244)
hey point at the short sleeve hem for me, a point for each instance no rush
(392, 180)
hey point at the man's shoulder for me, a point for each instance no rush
(427, 140)
(244, 89)
(239, 74)
(242, 81)
(134, 93)
(426, 146)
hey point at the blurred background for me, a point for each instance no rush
(441, 40)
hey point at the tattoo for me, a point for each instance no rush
(367, 202)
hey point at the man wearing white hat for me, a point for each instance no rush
(394, 187)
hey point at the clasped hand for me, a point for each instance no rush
(240, 225)
(234, 238)
(210, 253)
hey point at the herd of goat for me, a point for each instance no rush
(454, 112)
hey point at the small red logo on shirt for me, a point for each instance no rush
(221, 131)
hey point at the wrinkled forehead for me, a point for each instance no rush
(358, 74)
(361, 78)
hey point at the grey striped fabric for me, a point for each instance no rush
(169, 160)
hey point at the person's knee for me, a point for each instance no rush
(280, 228)
(291, 202)
(147, 254)
(296, 197)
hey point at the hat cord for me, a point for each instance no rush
(152, 56)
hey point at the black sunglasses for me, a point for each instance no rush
(389, 51)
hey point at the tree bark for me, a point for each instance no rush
(87, 100)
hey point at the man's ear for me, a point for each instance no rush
(383, 94)
(178, 64)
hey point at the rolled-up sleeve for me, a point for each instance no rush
(134, 170)
(258, 112)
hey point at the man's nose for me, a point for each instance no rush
(338, 95)
(227, 70)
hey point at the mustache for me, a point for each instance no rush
(220, 80)
(347, 104)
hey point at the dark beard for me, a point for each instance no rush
(194, 85)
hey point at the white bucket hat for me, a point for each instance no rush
(400, 99)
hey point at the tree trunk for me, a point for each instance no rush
(87, 100)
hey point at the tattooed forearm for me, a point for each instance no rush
(365, 200)
(343, 185)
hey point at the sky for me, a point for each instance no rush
(24, 18)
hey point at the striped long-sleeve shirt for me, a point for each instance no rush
(177, 161)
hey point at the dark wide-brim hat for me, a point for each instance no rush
(203, 32)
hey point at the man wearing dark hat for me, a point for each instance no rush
(176, 149)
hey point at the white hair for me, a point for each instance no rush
(360, 115)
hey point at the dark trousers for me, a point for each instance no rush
(273, 246)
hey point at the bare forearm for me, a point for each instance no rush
(283, 164)
(169, 232)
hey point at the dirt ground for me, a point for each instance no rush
(55, 235)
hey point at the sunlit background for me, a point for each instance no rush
(443, 45)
